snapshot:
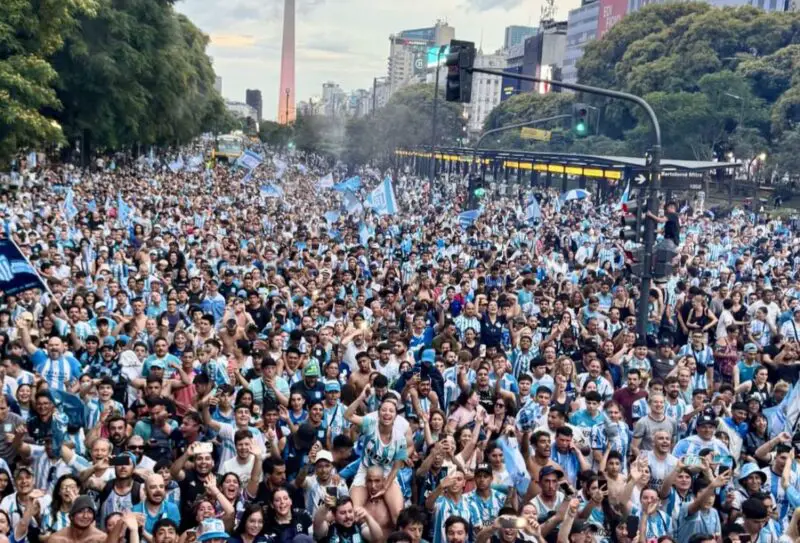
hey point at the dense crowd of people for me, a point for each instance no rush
(212, 362)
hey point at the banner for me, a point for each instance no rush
(16, 274)
(325, 182)
(249, 160)
(352, 184)
(381, 200)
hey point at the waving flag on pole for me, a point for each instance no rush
(176, 165)
(351, 203)
(325, 182)
(249, 160)
(363, 234)
(124, 210)
(69, 205)
(16, 273)
(467, 218)
(626, 194)
(557, 205)
(352, 184)
(280, 167)
(331, 216)
(533, 211)
(381, 200)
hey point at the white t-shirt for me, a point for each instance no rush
(233, 465)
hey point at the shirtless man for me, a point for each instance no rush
(376, 505)
(360, 377)
(540, 458)
(82, 527)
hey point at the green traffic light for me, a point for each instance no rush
(580, 128)
(480, 193)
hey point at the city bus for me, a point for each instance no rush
(229, 147)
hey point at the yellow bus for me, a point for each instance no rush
(229, 146)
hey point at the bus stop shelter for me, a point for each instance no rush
(602, 174)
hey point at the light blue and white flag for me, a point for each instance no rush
(467, 218)
(331, 217)
(533, 211)
(32, 160)
(352, 184)
(195, 163)
(381, 200)
(325, 182)
(176, 165)
(302, 168)
(783, 417)
(70, 210)
(280, 167)
(124, 210)
(351, 203)
(363, 234)
(271, 191)
(557, 205)
(249, 160)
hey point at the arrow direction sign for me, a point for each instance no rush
(640, 179)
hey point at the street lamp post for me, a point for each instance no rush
(432, 172)
(288, 92)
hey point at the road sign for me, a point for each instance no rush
(640, 179)
(681, 183)
(538, 134)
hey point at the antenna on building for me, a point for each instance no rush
(480, 44)
(548, 11)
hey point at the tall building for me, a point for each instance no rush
(516, 34)
(581, 29)
(253, 98)
(486, 89)
(410, 52)
(334, 100)
(286, 96)
(218, 84)
(544, 55)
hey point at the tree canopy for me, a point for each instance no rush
(720, 80)
(118, 73)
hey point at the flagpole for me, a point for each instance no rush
(36, 271)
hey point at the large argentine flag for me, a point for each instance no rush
(381, 200)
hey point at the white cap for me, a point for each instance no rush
(324, 455)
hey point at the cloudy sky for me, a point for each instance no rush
(345, 41)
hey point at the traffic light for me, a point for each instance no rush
(632, 222)
(580, 119)
(459, 75)
(665, 253)
(476, 191)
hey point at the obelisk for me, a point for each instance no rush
(286, 104)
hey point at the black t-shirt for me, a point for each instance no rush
(672, 228)
(191, 487)
(284, 533)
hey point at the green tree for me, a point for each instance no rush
(136, 72)
(275, 134)
(29, 33)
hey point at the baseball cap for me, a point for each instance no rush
(324, 455)
(212, 528)
(333, 386)
(707, 420)
(311, 370)
(549, 470)
(483, 468)
(750, 348)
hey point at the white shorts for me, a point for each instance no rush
(361, 475)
